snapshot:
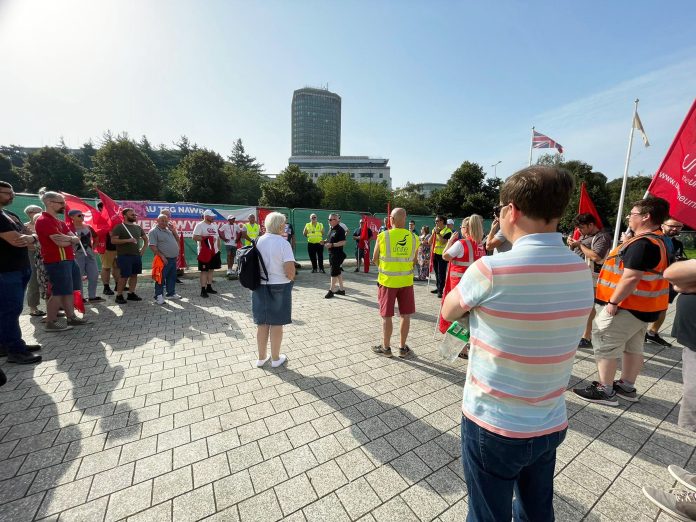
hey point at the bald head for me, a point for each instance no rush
(398, 216)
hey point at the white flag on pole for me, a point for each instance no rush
(638, 125)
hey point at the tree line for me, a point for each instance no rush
(128, 169)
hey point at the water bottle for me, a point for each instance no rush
(456, 338)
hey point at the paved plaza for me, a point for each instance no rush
(155, 413)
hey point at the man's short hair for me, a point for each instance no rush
(100, 205)
(585, 219)
(658, 209)
(539, 192)
(5, 184)
(440, 217)
(126, 210)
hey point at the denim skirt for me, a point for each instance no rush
(272, 304)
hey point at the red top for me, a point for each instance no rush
(45, 227)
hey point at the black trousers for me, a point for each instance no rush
(316, 255)
(440, 267)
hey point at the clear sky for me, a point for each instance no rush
(426, 84)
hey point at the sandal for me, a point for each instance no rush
(382, 351)
(37, 313)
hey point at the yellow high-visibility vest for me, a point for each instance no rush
(315, 233)
(252, 231)
(441, 243)
(397, 248)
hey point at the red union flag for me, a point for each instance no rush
(540, 141)
(675, 180)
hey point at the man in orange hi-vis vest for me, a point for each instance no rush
(633, 292)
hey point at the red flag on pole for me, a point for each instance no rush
(586, 206)
(388, 214)
(365, 244)
(93, 217)
(181, 260)
(111, 210)
(675, 180)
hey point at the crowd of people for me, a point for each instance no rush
(531, 300)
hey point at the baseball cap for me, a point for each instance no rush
(74, 212)
(209, 213)
(450, 221)
(231, 217)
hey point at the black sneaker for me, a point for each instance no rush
(594, 394)
(625, 391)
(204, 293)
(340, 292)
(210, 290)
(314, 270)
(329, 295)
(3, 378)
(433, 291)
(357, 269)
(382, 351)
(120, 299)
(656, 339)
(322, 270)
(134, 297)
(404, 351)
(179, 281)
(584, 343)
(95, 300)
(107, 290)
(23, 358)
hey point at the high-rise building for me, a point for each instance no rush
(316, 122)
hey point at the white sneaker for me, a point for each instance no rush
(261, 362)
(281, 360)
(229, 272)
(175, 297)
(160, 299)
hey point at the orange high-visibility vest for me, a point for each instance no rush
(652, 292)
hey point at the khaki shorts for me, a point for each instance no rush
(108, 259)
(614, 335)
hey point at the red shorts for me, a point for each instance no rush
(404, 296)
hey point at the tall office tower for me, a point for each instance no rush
(316, 122)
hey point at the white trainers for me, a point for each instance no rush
(261, 362)
(160, 299)
(683, 476)
(175, 297)
(281, 360)
(678, 504)
(229, 272)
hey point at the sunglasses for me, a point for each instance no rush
(79, 215)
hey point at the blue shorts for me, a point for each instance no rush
(64, 277)
(129, 265)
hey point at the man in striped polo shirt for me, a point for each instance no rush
(528, 309)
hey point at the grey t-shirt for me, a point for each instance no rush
(505, 245)
(165, 242)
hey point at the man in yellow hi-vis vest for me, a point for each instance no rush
(250, 231)
(314, 232)
(395, 255)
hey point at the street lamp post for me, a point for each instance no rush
(495, 168)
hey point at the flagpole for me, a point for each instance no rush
(531, 146)
(617, 228)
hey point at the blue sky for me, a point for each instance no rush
(426, 84)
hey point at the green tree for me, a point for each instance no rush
(16, 154)
(292, 188)
(10, 174)
(243, 161)
(246, 185)
(467, 192)
(201, 177)
(86, 154)
(52, 168)
(375, 196)
(341, 192)
(595, 183)
(636, 187)
(411, 198)
(123, 171)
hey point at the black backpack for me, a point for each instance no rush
(250, 265)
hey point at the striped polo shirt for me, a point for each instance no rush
(529, 307)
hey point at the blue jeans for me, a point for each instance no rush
(495, 467)
(168, 278)
(12, 288)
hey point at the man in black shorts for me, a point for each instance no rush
(126, 237)
(334, 243)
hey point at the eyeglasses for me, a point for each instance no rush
(634, 214)
(497, 209)
(333, 219)
(79, 215)
(678, 227)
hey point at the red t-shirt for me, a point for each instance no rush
(45, 227)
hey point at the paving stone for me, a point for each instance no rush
(94, 510)
(354, 464)
(386, 482)
(295, 493)
(233, 489)
(394, 510)
(267, 474)
(112, 480)
(172, 484)
(54, 476)
(16, 487)
(97, 462)
(222, 442)
(129, 501)
(327, 508)
(358, 498)
(326, 448)
(194, 505)
(153, 466)
(210, 469)
(244, 457)
(23, 509)
(64, 497)
(424, 501)
(326, 478)
(263, 507)
(159, 513)
(298, 460)
(188, 453)
(173, 438)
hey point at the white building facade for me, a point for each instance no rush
(362, 169)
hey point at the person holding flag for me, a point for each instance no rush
(84, 253)
(361, 235)
(59, 259)
(441, 235)
(126, 236)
